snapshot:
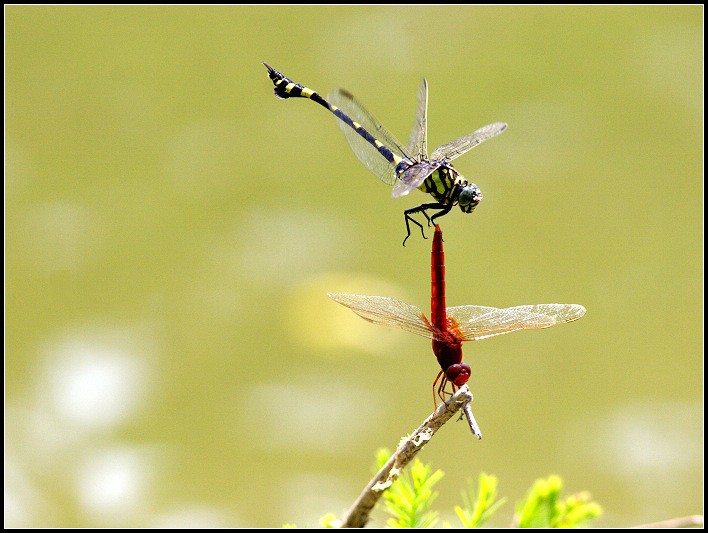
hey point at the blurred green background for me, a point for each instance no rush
(172, 228)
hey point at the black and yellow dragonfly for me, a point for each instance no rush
(405, 168)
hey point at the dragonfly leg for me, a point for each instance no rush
(445, 210)
(443, 394)
(441, 389)
(409, 219)
(426, 217)
(422, 209)
(435, 401)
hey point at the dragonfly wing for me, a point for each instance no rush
(476, 322)
(418, 142)
(364, 151)
(387, 312)
(413, 176)
(455, 149)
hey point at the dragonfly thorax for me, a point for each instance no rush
(447, 349)
(449, 187)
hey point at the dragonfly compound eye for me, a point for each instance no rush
(469, 197)
(458, 373)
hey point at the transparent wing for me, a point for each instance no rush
(387, 312)
(455, 149)
(476, 322)
(365, 152)
(413, 176)
(418, 142)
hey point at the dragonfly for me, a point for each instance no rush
(403, 167)
(449, 327)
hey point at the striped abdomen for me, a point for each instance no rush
(286, 88)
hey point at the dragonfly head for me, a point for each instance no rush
(469, 197)
(458, 373)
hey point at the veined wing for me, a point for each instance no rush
(365, 152)
(476, 322)
(387, 312)
(418, 142)
(413, 176)
(455, 149)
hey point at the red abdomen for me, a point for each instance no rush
(447, 348)
(437, 279)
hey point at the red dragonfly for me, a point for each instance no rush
(449, 327)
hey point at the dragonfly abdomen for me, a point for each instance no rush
(438, 314)
(381, 147)
(286, 88)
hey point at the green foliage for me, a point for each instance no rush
(330, 521)
(543, 507)
(474, 515)
(409, 499)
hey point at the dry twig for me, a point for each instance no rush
(358, 515)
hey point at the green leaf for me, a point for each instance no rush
(474, 515)
(409, 499)
(543, 506)
(330, 521)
